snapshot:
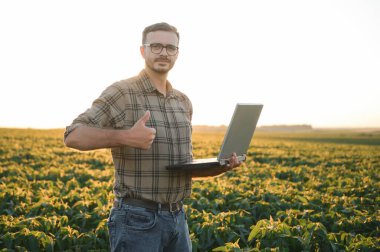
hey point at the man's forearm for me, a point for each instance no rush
(90, 138)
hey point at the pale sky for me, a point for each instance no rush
(309, 62)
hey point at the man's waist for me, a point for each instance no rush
(149, 204)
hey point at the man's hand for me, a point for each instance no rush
(232, 163)
(140, 136)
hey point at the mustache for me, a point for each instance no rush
(162, 59)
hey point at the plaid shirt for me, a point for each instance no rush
(141, 173)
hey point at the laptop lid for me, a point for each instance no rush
(240, 131)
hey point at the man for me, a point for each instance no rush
(147, 124)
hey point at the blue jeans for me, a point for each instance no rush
(137, 229)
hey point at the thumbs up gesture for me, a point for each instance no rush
(141, 136)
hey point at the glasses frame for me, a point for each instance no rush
(162, 48)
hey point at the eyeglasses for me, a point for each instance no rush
(156, 48)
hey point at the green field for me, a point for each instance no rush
(312, 191)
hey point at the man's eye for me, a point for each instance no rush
(156, 46)
(171, 47)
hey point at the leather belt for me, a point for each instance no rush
(148, 204)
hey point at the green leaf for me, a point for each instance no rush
(255, 231)
(221, 248)
(302, 199)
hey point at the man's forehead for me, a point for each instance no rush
(162, 36)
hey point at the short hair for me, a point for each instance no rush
(159, 27)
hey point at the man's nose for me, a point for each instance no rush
(162, 51)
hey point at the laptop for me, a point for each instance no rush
(237, 139)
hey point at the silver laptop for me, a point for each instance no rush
(237, 139)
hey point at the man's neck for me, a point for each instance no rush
(158, 80)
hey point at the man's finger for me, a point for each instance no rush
(145, 117)
(233, 162)
(153, 131)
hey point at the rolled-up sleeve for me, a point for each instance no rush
(107, 111)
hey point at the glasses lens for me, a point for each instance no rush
(172, 50)
(156, 48)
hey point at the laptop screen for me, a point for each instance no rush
(240, 130)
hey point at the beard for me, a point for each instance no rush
(160, 65)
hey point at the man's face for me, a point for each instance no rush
(160, 62)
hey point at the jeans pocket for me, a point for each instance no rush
(140, 219)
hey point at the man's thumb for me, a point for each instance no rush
(145, 117)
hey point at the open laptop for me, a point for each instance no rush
(237, 139)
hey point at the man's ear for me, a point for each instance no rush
(142, 51)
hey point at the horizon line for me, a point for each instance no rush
(311, 127)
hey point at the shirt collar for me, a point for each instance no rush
(149, 87)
